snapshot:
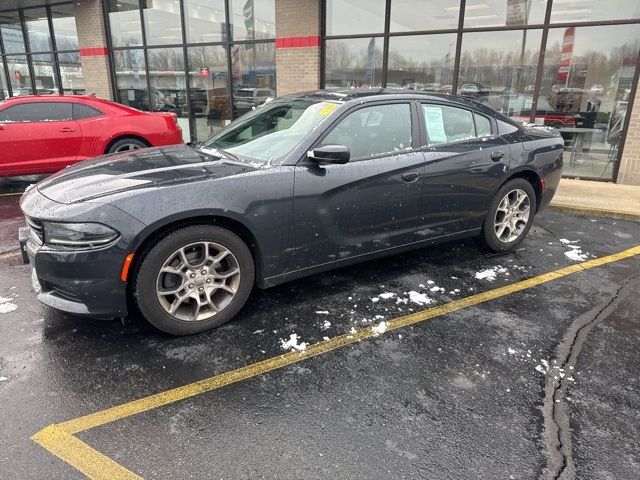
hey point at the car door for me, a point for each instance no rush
(38, 137)
(372, 202)
(466, 162)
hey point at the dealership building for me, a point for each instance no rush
(570, 64)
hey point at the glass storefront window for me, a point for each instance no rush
(124, 22)
(351, 17)
(510, 13)
(499, 69)
(586, 83)
(209, 90)
(19, 75)
(422, 62)
(162, 22)
(408, 15)
(11, 32)
(252, 19)
(64, 27)
(37, 27)
(71, 73)
(253, 68)
(4, 89)
(43, 74)
(205, 21)
(168, 83)
(565, 11)
(354, 62)
(131, 79)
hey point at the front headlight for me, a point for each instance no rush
(78, 235)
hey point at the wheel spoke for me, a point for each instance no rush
(176, 303)
(227, 274)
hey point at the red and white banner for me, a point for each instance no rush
(565, 59)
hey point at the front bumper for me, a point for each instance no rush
(82, 282)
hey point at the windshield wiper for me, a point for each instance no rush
(217, 152)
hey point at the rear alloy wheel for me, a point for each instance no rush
(126, 145)
(510, 216)
(195, 279)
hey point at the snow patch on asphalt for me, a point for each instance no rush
(575, 254)
(419, 298)
(7, 305)
(380, 328)
(293, 343)
(490, 274)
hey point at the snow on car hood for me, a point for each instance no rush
(134, 170)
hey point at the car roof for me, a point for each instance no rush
(56, 97)
(360, 95)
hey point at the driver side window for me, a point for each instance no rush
(374, 131)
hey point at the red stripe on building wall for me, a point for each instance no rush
(94, 52)
(298, 42)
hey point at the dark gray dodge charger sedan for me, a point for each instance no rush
(302, 184)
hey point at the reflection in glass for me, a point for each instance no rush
(350, 17)
(19, 75)
(512, 13)
(4, 90)
(209, 90)
(586, 82)
(71, 73)
(252, 19)
(64, 27)
(131, 80)
(422, 62)
(162, 22)
(499, 69)
(43, 72)
(407, 15)
(354, 62)
(565, 11)
(168, 83)
(124, 23)
(205, 21)
(11, 32)
(37, 27)
(253, 68)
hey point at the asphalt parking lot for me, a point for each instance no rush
(523, 379)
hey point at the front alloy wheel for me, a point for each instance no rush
(198, 281)
(194, 279)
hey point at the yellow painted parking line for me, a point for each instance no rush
(59, 439)
(12, 194)
(15, 253)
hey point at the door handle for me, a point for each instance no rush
(67, 130)
(410, 177)
(497, 155)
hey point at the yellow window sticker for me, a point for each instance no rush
(329, 107)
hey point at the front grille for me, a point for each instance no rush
(36, 229)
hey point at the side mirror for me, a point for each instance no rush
(330, 154)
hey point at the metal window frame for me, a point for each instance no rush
(461, 30)
(29, 53)
(227, 42)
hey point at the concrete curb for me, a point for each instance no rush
(597, 212)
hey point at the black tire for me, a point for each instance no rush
(125, 144)
(145, 282)
(489, 237)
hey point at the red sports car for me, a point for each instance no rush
(43, 134)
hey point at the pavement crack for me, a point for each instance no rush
(559, 377)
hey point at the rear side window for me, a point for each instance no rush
(81, 111)
(37, 112)
(447, 124)
(483, 125)
(374, 131)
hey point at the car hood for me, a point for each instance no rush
(139, 169)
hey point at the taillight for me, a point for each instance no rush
(569, 120)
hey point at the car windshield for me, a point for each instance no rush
(268, 133)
